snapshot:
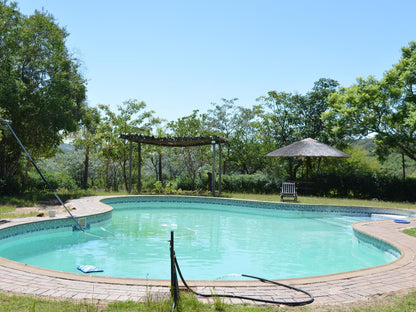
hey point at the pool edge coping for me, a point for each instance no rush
(83, 209)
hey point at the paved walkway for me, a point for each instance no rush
(399, 276)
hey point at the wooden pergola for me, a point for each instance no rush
(174, 142)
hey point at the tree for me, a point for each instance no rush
(156, 155)
(194, 158)
(86, 138)
(132, 118)
(221, 120)
(317, 104)
(282, 123)
(291, 117)
(41, 89)
(385, 108)
(246, 143)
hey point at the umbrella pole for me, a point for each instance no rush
(308, 163)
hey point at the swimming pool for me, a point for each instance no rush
(214, 239)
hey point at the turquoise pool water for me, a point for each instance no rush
(212, 241)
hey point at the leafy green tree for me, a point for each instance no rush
(288, 117)
(243, 129)
(194, 158)
(385, 108)
(246, 143)
(282, 124)
(86, 138)
(312, 109)
(41, 89)
(221, 120)
(220, 117)
(67, 164)
(131, 118)
(359, 162)
(280, 116)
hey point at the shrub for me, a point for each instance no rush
(254, 183)
(184, 182)
(9, 186)
(58, 180)
(364, 186)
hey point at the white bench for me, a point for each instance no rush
(288, 190)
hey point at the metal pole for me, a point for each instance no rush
(174, 286)
(40, 173)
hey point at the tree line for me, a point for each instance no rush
(43, 93)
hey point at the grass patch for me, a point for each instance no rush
(325, 201)
(30, 199)
(8, 211)
(22, 303)
(411, 232)
(18, 215)
(9, 204)
(188, 303)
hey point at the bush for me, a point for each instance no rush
(364, 186)
(395, 189)
(184, 182)
(256, 183)
(9, 186)
(345, 185)
(58, 180)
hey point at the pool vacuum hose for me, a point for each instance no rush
(8, 122)
(175, 288)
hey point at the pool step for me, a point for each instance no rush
(379, 216)
(344, 222)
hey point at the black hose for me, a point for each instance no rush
(294, 303)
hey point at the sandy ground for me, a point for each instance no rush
(41, 209)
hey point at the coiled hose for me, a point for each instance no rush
(288, 303)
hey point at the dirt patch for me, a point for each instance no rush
(40, 209)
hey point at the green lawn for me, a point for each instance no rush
(399, 303)
(325, 201)
(188, 303)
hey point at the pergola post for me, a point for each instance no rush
(220, 168)
(139, 170)
(160, 166)
(130, 165)
(213, 167)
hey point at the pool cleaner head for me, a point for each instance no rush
(4, 123)
(5, 120)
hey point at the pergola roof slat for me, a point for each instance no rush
(173, 141)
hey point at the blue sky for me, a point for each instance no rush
(178, 55)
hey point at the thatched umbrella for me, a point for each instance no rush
(308, 148)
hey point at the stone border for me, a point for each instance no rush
(397, 276)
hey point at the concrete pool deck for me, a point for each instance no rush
(396, 277)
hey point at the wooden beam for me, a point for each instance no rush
(130, 165)
(213, 169)
(139, 170)
(172, 141)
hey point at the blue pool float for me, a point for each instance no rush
(89, 268)
(402, 221)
